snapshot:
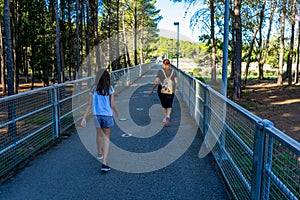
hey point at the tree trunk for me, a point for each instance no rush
(57, 43)
(281, 54)
(298, 53)
(290, 59)
(77, 41)
(62, 42)
(238, 48)
(142, 60)
(232, 54)
(259, 56)
(70, 42)
(88, 38)
(118, 58)
(16, 45)
(109, 26)
(96, 34)
(62, 58)
(10, 68)
(32, 78)
(273, 8)
(81, 31)
(261, 17)
(44, 53)
(8, 48)
(26, 65)
(212, 41)
(2, 77)
(118, 35)
(31, 63)
(126, 54)
(233, 42)
(135, 33)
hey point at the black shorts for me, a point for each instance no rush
(166, 100)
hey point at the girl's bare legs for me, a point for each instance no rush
(99, 138)
(106, 132)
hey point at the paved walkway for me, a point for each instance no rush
(148, 160)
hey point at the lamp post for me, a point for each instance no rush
(177, 44)
(172, 53)
(225, 49)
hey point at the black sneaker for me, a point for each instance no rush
(105, 168)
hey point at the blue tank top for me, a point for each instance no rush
(101, 104)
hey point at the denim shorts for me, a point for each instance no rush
(103, 121)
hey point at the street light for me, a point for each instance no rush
(177, 44)
(172, 50)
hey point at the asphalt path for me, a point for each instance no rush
(148, 160)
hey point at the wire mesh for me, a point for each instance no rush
(234, 150)
(26, 125)
(30, 120)
(65, 96)
(282, 174)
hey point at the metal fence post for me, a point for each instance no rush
(55, 113)
(140, 71)
(189, 96)
(205, 91)
(268, 166)
(124, 78)
(128, 77)
(112, 79)
(258, 159)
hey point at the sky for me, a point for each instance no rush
(174, 12)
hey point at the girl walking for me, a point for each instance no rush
(101, 101)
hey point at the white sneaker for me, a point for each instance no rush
(105, 168)
(100, 157)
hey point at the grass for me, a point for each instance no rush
(249, 105)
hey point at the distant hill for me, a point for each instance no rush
(173, 35)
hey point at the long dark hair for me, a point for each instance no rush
(102, 82)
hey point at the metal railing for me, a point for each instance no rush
(31, 120)
(257, 160)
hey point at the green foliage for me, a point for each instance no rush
(33, 25)
(196, 71)
(166, 47)
(35, 36)
(34, 29)
(201, 79)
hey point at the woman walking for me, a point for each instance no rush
(167, 82)
(101, 101)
